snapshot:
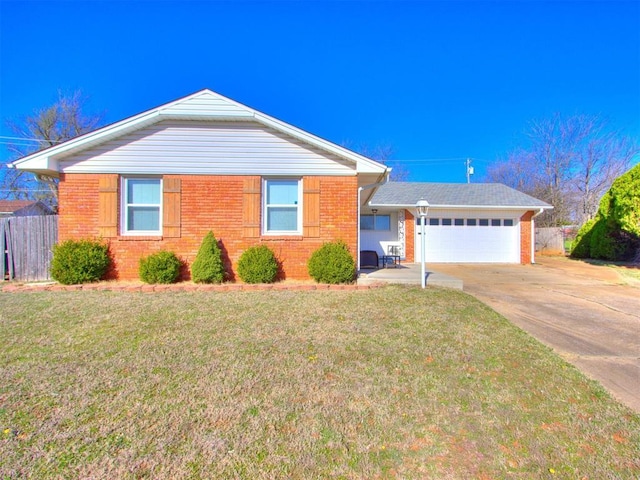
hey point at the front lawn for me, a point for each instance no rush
(393, 382)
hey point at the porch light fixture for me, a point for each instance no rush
(422, 209)
(374, 210)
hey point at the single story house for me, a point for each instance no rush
(165, 177)
(23, 208)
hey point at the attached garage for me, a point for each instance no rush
(466, 223)
(470, 237)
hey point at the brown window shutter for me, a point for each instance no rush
(251, 203)
(171, 205)
(311, 205)
(108, 206)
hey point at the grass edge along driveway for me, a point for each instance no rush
(393, 382)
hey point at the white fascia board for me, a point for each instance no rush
(45, 161)
(363, 164)
(49, 157)
(465, 207)
(33, 162)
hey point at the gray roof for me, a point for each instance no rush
(406, 194)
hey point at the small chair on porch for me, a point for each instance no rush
(392, 257)
(369, 259)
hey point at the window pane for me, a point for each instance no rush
(143, 191)
(143, 218)
(508, 222)
(366, 222)
(282, 192)
(484, 222)
(495, 222)
(459, 222)
(434, 221)
(283, 219)
(471, 222)
(383, 222)
(446, 221)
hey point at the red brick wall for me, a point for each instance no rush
(525, 238)
(409, 236)
(209, 203)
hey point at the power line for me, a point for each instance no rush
(28, 139)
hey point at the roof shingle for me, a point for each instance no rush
(406, 194)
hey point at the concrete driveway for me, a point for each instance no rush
(586, 313)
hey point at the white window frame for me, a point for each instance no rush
(124, 207)
(266, 206)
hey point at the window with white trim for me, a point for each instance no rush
(141, 206)
(282, 213)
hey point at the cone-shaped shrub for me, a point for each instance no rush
(161, 267)
(258, 265)
(79, 261)
(208, 266)
(332, 263)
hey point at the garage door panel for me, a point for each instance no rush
(471, 244)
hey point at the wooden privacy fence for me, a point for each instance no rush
(26, 244)
(550, 240)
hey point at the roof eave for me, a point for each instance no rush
(45, 161)
(474, 207)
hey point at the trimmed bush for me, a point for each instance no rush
(79, 261)
(258, 265)
(614, 234)
(332, 263)
(208, 266)
(161, 267)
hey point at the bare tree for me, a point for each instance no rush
(383, 153)
(43, 129)
(570, 163)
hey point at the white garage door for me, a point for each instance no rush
(470, 240)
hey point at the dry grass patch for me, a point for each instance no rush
(387, 383)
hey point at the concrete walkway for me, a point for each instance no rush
(408, 273)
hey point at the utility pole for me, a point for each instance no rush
(469, 170)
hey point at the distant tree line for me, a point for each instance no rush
(570, 163)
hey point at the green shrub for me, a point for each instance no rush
(614, 234)
(581, 247)
(258, 265)
(161, 267)
(208, 266)
(79, 261)
(332, 263)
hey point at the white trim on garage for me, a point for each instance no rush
(470, 236)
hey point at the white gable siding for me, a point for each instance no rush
(212, 148)
(206, 105)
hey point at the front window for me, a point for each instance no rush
(282, 206)
(142, 206)
(375, 222)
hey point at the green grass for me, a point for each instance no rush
(387, 383)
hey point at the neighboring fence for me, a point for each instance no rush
(26, 244)
(550, 240)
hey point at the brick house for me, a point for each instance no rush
(160, 180)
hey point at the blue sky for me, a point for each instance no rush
(437, 82)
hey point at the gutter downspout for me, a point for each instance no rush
(533, 236)
(360, 190)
